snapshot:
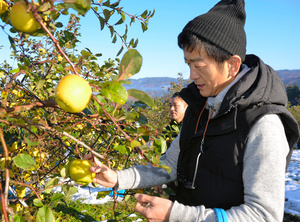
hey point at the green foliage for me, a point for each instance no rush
(295, 110)
(79, 212)
(157, 115)
(38, 138)
(293, 93)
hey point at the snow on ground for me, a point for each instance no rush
(292, 185)
(292, 191)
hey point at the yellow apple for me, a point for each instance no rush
(3, 6)
(21, 19)
(59, 58)
(73, 93)
(21, 191)
(80, 171)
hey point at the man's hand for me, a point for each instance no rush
(154, 209)
(104, 175)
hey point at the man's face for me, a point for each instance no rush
(209, 78)
(177, 109)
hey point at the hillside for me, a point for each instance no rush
(289, 77)
(155, 86)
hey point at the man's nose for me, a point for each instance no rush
(193, 73)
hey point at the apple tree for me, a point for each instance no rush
(39, 139)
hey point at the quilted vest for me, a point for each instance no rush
(218, 181)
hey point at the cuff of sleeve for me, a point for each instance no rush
(180, 213)
(125, 180)
(176, 212)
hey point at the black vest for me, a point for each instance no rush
(219, 182)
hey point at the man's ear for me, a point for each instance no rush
(235, 62)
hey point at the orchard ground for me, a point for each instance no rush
(88, 195)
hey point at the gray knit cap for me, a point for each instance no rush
(223, 26)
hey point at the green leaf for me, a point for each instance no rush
(85, 53)
(18, 218)
(12, 43)
(142, 96)
(107, 14)
(127, 197)
(161, 144)
(142, 119)
(68, 190)
(115, 92)
(120, 51)
(81, 6)
(120, 21)
(144, 26)
(107, 3)
(114, 39)
(14, 70)
(102, 22)
(121, 148)
(24, 161)
(135, 143)
(144, 15)
(102, 194)
(63, 172)
(37, 202)
(31, 143)
(131, 64)
(112, 30)
(52, 182)
(45, 214)
(57, 196)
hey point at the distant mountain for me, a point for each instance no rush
(289, 77)
(155, 86)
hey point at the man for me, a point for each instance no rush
(237, 136)
(177, 110)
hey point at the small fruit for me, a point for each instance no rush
(21, 191)
(21, 19)
(42, 51)
(59, 58)
(80, 171)
(73, 93)
(3, 7)
(13, 147)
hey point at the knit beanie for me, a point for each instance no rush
(222, 26)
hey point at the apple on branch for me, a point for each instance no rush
(80, 171)
(3, 7)
(21, 19)
(73, 93)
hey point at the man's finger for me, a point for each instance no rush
(140, 207)
(143, 198)
(97, 169)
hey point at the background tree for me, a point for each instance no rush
(293, 93)
(159, 116)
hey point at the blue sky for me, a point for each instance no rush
(272, 28)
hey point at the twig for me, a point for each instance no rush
(39, 19)
(5, 198)
(73, 138)
(3, 205)
(112, 119)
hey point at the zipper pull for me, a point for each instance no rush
(201, 146)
